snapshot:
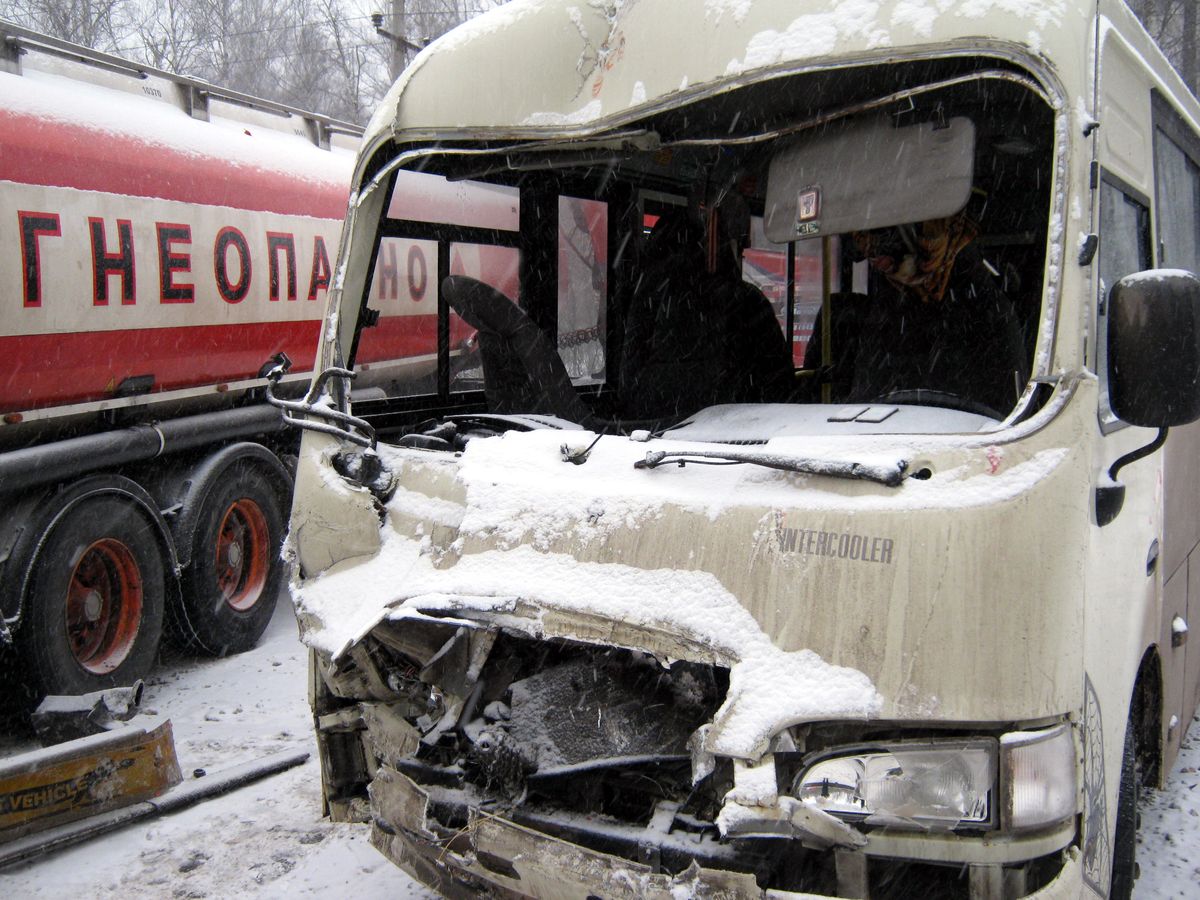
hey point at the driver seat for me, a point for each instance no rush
(522, 371)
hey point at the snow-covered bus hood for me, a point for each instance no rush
(946, 597)
(569, 65)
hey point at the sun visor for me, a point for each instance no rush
(864, 174)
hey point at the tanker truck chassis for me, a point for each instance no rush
(163, 243)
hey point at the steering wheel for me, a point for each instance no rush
(942, 400)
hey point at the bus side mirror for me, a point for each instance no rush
(1154, 348)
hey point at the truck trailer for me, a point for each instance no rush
(163, 242)
(700, 612)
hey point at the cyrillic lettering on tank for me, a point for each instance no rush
(172, 262)
(418, 273)
(34, 225)
(284, 243)
(106, 264)
(319, 280)
(387, 273)
(230, 238)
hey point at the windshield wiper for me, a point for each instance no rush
(889, 474)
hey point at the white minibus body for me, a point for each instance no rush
(800, 521)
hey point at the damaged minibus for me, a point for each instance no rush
(793, 512)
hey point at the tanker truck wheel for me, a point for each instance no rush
(96, 598)
(232, 581)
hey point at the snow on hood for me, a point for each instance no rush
(521, 497)
(769, 688)
(513, 535)
(519, 489)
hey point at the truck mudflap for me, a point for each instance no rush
(497, 857)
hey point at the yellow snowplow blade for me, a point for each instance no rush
(84, 777)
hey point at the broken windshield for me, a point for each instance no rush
(870, 239)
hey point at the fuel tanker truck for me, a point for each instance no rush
(163, 243)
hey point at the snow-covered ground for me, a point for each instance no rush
(1169, 840)
(267, 840)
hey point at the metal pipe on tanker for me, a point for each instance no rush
(60, 460)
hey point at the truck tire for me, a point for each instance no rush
(232, 581)
(97, 590)
(1124, 866)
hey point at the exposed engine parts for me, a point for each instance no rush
(502, 748)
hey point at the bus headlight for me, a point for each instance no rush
(938, 785)
(1039, 777)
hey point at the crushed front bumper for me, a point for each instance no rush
(495, 857)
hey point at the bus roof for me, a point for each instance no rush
(536, 66)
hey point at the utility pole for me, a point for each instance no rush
(1191, 46)
(398, 49)
(400, 44)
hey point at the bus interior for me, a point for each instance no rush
(864, 245)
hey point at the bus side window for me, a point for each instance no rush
(1125, 236)
(397, 357)
(1124, 249)
(583, 288)
(434, 226)
(1177, 186)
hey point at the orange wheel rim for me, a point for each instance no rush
(104, 606)
(243, 554)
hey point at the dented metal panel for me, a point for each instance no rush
(570, 66)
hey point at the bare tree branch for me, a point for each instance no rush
(322, 55)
